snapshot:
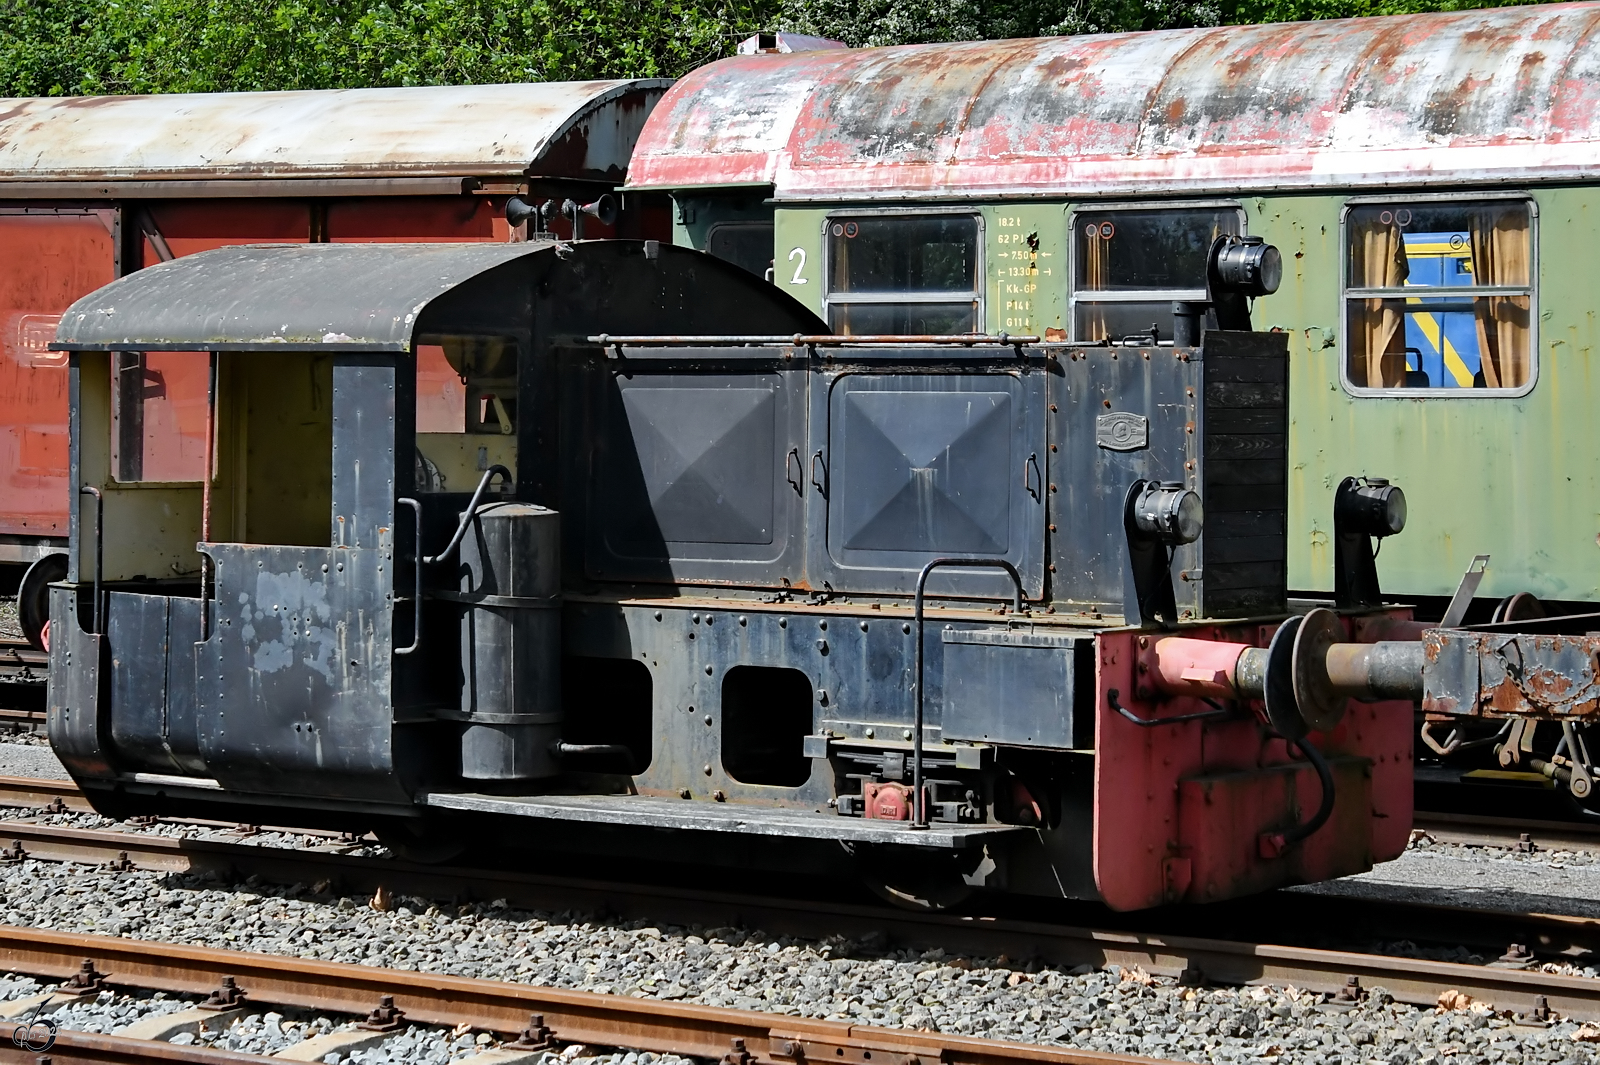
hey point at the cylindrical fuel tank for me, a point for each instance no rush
(511, 643)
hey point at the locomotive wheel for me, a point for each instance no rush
(922, 883)
(33, 597)
(426, 842)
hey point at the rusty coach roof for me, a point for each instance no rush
(565, 129)
(1477, 96)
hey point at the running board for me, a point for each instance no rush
(692, 816)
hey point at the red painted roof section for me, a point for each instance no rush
(1475, 96)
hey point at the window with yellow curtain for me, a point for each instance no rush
(1439, 296)
(904, 274)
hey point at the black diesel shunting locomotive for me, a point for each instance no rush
(653, 551)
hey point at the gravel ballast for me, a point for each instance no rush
(1116, 1010)
(1109, 1010)
(268, 1031)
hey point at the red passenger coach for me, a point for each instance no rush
(95, 188)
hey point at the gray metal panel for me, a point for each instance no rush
(696, 480)
(737, 818)
(706, 458)
(363, 451)
(294, 683)
(151, 709)
(136, 629)
(1088, 483)
(330, 297)
(183, 632)
(583, 128)
(74, 714)
(1008, 687)
(1217, 420)
(920, 466)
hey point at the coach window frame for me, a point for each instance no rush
(1133, 295)
(979, 266)
(746, 223)
(1465, 198)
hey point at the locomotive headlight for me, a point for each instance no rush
(1169, 512)
(1250, 266)
(1370, 505)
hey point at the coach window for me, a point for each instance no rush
(903, 274)
(1439, 296)
(1129, 264)
(744, 244)
(466, 409)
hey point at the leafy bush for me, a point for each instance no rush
(876, 22)
(69, 47)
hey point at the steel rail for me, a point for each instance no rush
(1482, 830)
(573, 1016)
(92, 1048)
(1219, 960)
(37, 791)
(1140, 941)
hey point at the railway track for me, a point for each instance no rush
(1482, 830)
(741, 1037)
(91, 1048)
(19, 662)
(23, 672)
(1249, 943)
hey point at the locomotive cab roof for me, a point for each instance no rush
(381, 297)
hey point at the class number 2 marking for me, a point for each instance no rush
(798, 253)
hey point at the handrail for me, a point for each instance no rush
(455, 542)
(821, 340)
(467, 516)
(99, 546)
(919, 805)
(416, 569)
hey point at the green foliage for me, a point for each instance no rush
(874, 22)
(66, 47)
(69, 47)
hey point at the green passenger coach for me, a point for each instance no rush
(1431, 181)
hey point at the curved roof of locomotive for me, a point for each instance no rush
(1475, 96)
(564, 129)
(279, 297)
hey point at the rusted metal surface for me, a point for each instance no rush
(1480, 96)
(1526, 675)
(47, 259)
(32, 791)
(570, 129)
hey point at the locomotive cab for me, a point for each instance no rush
(616, 534)
(358, 395)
